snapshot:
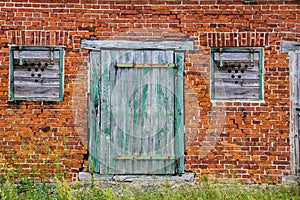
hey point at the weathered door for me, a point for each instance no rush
(295, 64)
(136, 102)
(293, 49)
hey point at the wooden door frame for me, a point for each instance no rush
(179, 48)
(293, 49)
(295, 113)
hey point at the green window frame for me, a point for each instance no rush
(236, 74)
(36, 73)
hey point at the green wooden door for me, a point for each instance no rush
(136, 112)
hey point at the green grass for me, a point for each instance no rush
(60, 190)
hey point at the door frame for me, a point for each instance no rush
(95, 47)
(294, 66)
(293, 50)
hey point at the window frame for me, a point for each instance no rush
(259, 50)
(36, 48)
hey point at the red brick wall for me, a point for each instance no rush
(244, 140)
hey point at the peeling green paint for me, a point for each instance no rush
(149, 117)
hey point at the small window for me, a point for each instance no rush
(36, 73)
(236, 74)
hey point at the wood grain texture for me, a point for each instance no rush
(127, 44)
(136, 114)
(179, 112)
(236, 56)
(297, 77)
(237, 78)
(36, 54)
(296, 110)
(94, 117)
(287, 46)
(27, 91)
(37, 77)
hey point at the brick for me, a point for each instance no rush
(252, 134)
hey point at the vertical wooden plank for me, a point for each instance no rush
(128, 77)
(296, 110)
(122, 115)
(170, 117)
(167, 127)
(138, 56)
(155, 57)
(151, 121)
(94, 138)
(126, 80)
(146, 117)
(297, 92)
(161, 137)
(114, 118)
(157, 165)
(147, 57)
(136, 115)
(135, 134)
(105, 126)
(120, 131)
(142, 111)
(131, 87)
(160, 120)
(111, 128)
(294, 65)
(118, 101)
(162, 101)
(125, 57)
(179, 112)
(157, 135)
(121, 78)
(170, 57)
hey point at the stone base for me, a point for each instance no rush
(87, 176)
(291, 180)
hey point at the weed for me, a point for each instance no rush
(91, 164)
(64, 191)
(16, 186)
(61, 190)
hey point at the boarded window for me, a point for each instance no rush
(236, 74)
(36, 73)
